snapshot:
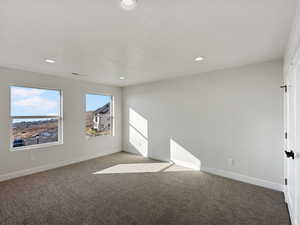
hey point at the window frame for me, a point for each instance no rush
(59, 119)
(112, 114)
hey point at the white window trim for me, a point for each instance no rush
(112, 114)
(58, 117)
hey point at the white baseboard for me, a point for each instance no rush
(227, 174)
(177, 162)
(26, 172)
(290, 207)
(244, 178)
(187, 164)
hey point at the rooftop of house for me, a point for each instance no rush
(103, 110)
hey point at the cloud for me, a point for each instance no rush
(37, 102)
(25, 92)
(32, 101)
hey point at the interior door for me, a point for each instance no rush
(292, 142)
(296, 162)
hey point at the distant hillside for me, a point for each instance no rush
(89, 118)
(23, 130)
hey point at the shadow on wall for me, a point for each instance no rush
(138, 138)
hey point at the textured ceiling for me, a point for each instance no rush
(158, 40)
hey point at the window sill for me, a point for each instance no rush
(31, 147)
(95, 137)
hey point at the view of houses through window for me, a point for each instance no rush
(99, 118)
(35, 116)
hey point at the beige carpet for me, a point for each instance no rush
(124, 189)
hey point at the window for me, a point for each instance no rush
(99, 115)
(35, 117)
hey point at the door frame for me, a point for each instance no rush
(292, 201)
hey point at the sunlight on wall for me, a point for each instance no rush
(139, 142)
(138, 132)
(138, 122)
(180, 156)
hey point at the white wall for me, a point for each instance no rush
(75, 143)
(294, 39)
(212, 117)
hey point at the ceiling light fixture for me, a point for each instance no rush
(199, 58)
(122, 78)
(50, 61)
(128, 4)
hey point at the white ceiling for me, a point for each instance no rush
(158, 40)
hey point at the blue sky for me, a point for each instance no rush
(41, 102)
(34, 102)
(94, 102)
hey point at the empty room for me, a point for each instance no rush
(149, 112)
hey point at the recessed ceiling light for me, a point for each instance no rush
(128, 4)
(122, 78)
(50, 61)
(199, 58)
